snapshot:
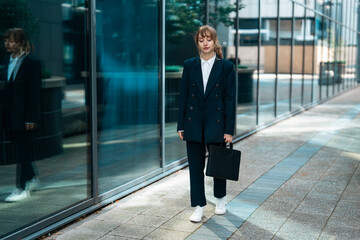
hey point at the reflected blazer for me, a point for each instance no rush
(21, 97)
(206, 117)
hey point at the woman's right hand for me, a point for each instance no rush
(181, 134)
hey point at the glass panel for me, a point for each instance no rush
(128, 100)
(52, 160)
(323, 68)
(183, 18)
(222, 17)
(248, 65)
(342, 56)
(317, 56)
(309, 56)
(339, 64)
(284, 57)
(353, 46)
(331, 61)
(346, 21)
(297, 76)
(268, 61)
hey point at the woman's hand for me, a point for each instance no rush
(181, 134)
(228, 138)
(29, 126)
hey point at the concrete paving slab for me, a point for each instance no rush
(252, 233)
(216, 230)
(115, 216)
(165, 234)
(340, 233)
(347, 211)
(315, 208)
(110, 237)
(145, 220)
(197, 236)
(278, 206)
(132, 231)
(79, 235)
(98, 226)
(295, 236)
(224, 221)
(343, 222)
(181, 225)
(164, 211)
(270, 225)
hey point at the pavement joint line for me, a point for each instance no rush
(246, 208)
(332, 212)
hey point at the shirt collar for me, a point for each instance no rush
(17, 57)
(13, 59)
(210, 61)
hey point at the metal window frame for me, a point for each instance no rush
(162, 82)
(352, 38)
(313, 62)
(258, 66)
(277, 60)
(303, 62)
(236, 62)
(347, 43)
(292, 54)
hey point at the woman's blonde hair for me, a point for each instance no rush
(19, 36)
(208, 31)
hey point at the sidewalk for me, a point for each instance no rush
(299, 179)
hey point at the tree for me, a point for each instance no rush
(184, 17)
(15, 13)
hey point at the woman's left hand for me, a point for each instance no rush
(228, 138)
(29, 126)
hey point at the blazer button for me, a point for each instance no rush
(192, 95)
(218, 121)
(216, 96)
(191, 108)
(218, 108)
(193, 84)
(189, 119)
(217, 85)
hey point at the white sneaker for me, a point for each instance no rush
(17, 195)
(197, 215)
(220, 206)
(32, 185)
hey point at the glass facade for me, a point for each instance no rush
(111, 72)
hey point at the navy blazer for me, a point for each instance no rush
(206, 117)
(21, 97)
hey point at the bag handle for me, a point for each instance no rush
(225, 145)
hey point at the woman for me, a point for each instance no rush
(206, 114)
(21, 114)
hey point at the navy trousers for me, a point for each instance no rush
(196, 158)
(24, 141)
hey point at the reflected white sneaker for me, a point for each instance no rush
(197, 215)
(32, 185)
(17, 195)
(220, 206)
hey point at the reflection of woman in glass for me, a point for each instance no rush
(21, 112)
(206, 114)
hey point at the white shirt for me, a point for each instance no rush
(206, 67)
(14, 65)
(11, 66)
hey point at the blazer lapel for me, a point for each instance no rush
(198, 76)
(214, 75)
(5, 76)
(21, 69)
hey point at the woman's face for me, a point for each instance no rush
(206, 44)
(11, 46)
